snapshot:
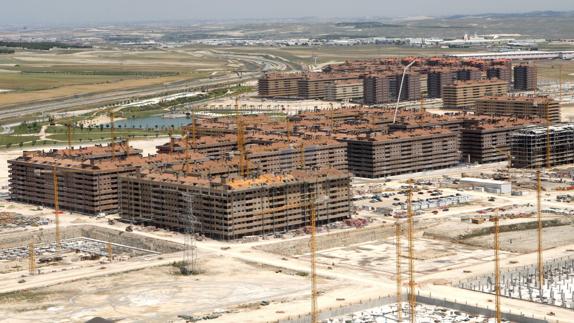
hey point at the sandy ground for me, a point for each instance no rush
(431, 256)
(526, 241)
(158, 294)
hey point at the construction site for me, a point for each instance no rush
(350, 214)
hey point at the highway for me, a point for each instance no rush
(82, 101)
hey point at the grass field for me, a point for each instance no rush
(15, 140)
(550, 70)
(340, 54)
(39, 75)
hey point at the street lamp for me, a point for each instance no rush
(401, 88)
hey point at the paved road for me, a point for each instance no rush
(76, 102)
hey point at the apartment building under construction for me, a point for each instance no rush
(385, 87)
(525, 77)
(537, 146)
(86, 182)
(520, 106)
(462, 95)
(305, 154)
(488, 140)
(279, 84)
(230, 207)
(402, 152)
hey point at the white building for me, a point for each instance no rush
(489, 185)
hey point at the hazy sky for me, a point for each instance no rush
(93, 11)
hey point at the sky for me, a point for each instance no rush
(105, 11)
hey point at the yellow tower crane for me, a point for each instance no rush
(561, 82)
(539, 231)
(423, 103)
(313, 247)
(112, 134)
(497, 268)
(288, 126)
(110, 251)
(31, 258)
(243, 169)
(57, 211)
(399, 272)
(193, 127)
(548, 145)
(310, 205)
(69, 132)
(410, 233)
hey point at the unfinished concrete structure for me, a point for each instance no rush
(488, 140)
(314, 85)
(279, 84)
(281, 157)
(536, 146)
(384, 88)
(87, 179)
(402, 152)
(520, 106)
(437, 79)
(341, 90)
(462, 95)
(230, 208)
(525, 77)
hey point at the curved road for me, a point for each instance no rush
(69, 103)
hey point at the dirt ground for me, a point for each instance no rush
(430, 256)
(158, 294)
(526, 241)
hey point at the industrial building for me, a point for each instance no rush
(525, 77)
(231, 208)
(520, 106)
(537, 146)
(462, 95)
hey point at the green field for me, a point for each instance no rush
(15, 140)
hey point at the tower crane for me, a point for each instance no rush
(410, 233)
(311, 205)
(69, 132)
(539, 228)
(31, 258)
(112, 134)
(497, 267)
(399, 272)
(243, 168)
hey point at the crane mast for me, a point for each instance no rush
(313, 247)
(412, 285)
(497, 267)
(399, 277)
(539, 229)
